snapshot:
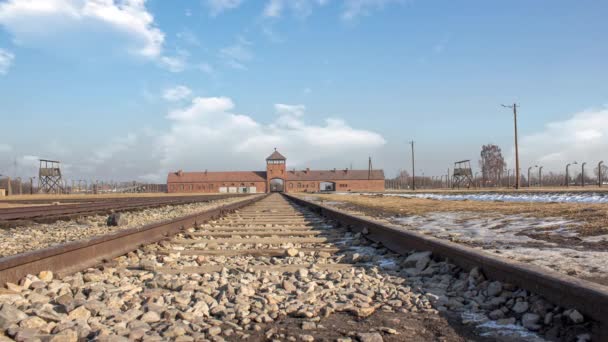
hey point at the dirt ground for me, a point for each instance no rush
(415, 327)
(593, 217)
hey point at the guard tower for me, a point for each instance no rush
(275, 172)
(463, 174)
(49, 176)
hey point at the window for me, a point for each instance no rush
(210, 186)
(181, 187)
(299, 185)
(343, 185)
(291, 185)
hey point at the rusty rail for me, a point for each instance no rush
(21, 213)
(78, 255)
(589, 298)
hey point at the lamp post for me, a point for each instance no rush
(599, 174)
(475, 179)
(583, 174)
(509, 178)
(540, 176)
(413, 168)
(514, 106)
(529, 174)
(567, 176)
(32, 185)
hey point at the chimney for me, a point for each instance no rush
(180, 173)
(205, 171)
(334, 170)
(307, 170)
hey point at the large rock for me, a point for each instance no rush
(576, 317)
(117, 220)
(520, 307)
(413, 259)
(80, 313)
(10, 315)
(46, 276)
(494, 289)
(530, 321)
(370, 337)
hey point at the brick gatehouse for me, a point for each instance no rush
(276, 178)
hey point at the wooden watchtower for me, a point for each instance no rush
(49, 177)
(463, 174)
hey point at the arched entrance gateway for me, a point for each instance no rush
(277, 185)
(327, 186)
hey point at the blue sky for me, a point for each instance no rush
(131, 89)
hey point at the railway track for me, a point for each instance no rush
(49, 213)
(276, 269)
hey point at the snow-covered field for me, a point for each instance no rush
(570, 197)
(515, 237)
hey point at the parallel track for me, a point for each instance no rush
(123, 204)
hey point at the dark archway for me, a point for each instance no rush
(327, 186)
(277, 185)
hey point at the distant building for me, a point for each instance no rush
(276, 178)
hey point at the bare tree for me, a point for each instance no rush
(492, 164)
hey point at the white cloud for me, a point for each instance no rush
(202, 107)
(174, 64)
(6, 61)
(273, 8)
(177, 93)
(32, 20)
(582, 138)
(295, 110)
(218, 6)
(300, 8)
(237, 54)
(5, 148)
(354, 9)
(210, 123)
(116, 145)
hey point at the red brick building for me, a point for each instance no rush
(276, 178)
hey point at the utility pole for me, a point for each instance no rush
(514, 106)
(413, 167)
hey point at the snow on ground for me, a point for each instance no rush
(513, 236)
(486, 229)
(500, 332)
(571, 197)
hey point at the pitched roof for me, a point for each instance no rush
(234, 176)
(334, 175)
(276, 156)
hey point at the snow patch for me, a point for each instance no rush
(587, 197)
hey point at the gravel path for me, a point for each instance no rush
(37, 236)
(201, 286)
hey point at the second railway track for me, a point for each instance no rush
(49, 213)
(276, 270)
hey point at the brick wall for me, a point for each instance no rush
(349, 185)
(211, 187)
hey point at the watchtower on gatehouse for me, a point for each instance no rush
(275, 172)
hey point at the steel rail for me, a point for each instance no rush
(68, 209)
(73, 256)
(589, 298)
